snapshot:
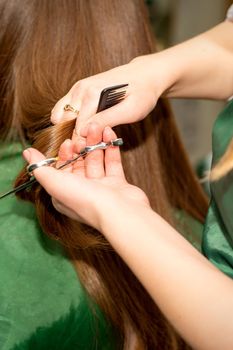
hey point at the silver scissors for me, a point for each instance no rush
(108, 98)
(51, 161)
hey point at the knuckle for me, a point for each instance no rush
(91, 92)
(79, 86)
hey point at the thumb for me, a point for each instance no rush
(31, 155)
(49, 177)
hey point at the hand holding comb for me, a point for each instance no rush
(109, 97)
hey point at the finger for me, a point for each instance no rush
(124, 112)
(88, 107)
(77, 138)
(52, 179)
(66, 150)
(113, 164)
(74, 193)
(69, 150)
(73, 98)
(94, 164)
(37, 156)
(58, 114)
(79, 165)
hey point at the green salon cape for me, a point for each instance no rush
(217, 242)
(42, 304)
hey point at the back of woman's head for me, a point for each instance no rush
(45, 47)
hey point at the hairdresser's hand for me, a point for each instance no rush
(186, 70)
(146, 83)
(92, 188)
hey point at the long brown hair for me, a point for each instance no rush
(45, 47)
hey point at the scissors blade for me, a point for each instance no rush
(69, 161)
(82, 154)
(33, 179)
(19, 188)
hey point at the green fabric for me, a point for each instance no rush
(42, 304)
(190, 228)
(74, 331)
(218, 231)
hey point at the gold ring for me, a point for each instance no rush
(71, 109)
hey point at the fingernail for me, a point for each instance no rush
(27, 155)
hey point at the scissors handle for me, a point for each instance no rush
(108, 98)
(88, 149)
(82, 154)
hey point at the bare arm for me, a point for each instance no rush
(201, 67)
(191, 292)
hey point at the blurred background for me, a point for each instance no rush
(174, 21)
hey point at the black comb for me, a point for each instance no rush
(111, 96)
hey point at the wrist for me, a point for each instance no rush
(161, 70)
(119, 216)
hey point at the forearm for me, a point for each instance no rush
(188, 289)
(201, 67)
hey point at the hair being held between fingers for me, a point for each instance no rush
(153, 156)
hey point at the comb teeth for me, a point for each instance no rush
(116, 95)
(111, 96)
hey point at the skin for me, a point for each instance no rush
(172, 271)
(185, 70)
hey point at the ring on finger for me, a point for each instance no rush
(70, 108)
